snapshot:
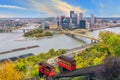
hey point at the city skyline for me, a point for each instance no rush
(47, 8)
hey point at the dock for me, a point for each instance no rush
(12, 59)
(19, 49)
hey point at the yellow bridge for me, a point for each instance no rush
(81, 33)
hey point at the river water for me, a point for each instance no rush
(9, 41)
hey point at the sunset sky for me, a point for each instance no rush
(47, 8)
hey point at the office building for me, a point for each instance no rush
(74, 19)
(87, 25)
(71, 14)
(92, 20)
(81, 16)
(65, 22)
(82, 24)
(58, 21)
(61, 20)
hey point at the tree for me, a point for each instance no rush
(110, 70)
(48, 34)
(8, 71)
(51, 52)
(60, 51)
(104, 36)
(110, 42)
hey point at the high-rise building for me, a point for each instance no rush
(71, 14)
(92, 20)
(80, 16)
(61, 20)
(58, 21)
(82, 24)
(87, 25)
(74, 19)
(66, 23)
(96, 20)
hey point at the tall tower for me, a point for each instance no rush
(92, 20)
(71, 14)
(80, 16)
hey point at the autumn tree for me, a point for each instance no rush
(8, 71)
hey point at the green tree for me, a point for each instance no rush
(51, 52)
(48, 33)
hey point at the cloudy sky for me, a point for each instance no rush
(46, 8)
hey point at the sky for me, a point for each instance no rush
(53, 8)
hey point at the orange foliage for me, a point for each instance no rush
(9, 72)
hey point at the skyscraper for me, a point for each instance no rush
(80, 16)
(82, 24)
(74, 19)
(61, 20)
(71, 14)
(66, 23)
(92, 20)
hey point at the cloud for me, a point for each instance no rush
(5, 16)
(54, 7)
(12, 7)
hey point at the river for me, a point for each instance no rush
(9, 41)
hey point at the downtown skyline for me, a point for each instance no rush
(48, 8)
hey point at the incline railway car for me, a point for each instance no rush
(66, 63)
(46, 69)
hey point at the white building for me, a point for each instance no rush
(87, 25)
(92, 19)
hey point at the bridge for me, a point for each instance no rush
(24, 29)
(77, 33)
(11, 30)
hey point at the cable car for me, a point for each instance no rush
(46, 69)
(66, 64)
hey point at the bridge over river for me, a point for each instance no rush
(24, 29)
(77, 33)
